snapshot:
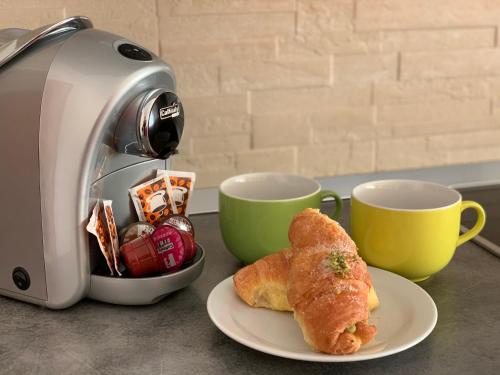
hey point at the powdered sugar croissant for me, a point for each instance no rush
(328, 285)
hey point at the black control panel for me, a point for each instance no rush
(134, 52)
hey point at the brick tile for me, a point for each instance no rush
(232, 27)
(307, 100)
(32, 4)
(365, 68)
(111, 9)
(361, 158)
(440, 64)
(475, 140)
(257, 49)
(193, 7)
(280, 130)
(319, 16)
(345, 123)
(458, 110)
(215, 105)
(322, 160)
(430, 90)
(406, 153)
(410, 14)
(209, 163)
(440, 39)
(443, 126)
(325, 44)
(206, 179)
(240, 77)
(218, 144)
(197, 79)
(472, 155)
(267, 160)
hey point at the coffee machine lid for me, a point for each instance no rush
(16, 41)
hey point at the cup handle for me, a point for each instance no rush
(338, 202)
(481, 219)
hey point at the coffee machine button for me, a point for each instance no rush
(134, 52)
(21, 278)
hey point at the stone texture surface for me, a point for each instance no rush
(425, 40)
(283, 160)
(453, 110)
(328, 43)
(365, 68)
(176, 336)
(413, 152)
(332, 82)
(250, 75)
(442, 64)
(410, 14)
(430, 90)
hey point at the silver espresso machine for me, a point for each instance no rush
(85, 115)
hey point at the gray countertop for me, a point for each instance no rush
(176, 336)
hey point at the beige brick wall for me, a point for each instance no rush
(317, 87)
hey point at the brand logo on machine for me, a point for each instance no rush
(170, 111)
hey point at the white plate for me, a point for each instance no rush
(407, 315)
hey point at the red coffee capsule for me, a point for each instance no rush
(180, 222)
(189, 245)
(186, 228)
(169, 246)
(140, 257)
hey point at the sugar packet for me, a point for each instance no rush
(182, 188)
(153, 200)
(97, 228)
(113, 234)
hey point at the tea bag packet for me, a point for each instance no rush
(97, 228)
(153, 200)
(113, 235)
(182, 188)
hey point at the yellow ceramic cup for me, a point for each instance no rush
(409, 227)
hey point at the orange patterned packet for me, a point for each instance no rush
(182, 188)
(113, 234)
(153, 200)
(97, 228)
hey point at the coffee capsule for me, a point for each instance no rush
(136, 230)
(163, 251)
(169, 246)
(139, 256)
(180, 222)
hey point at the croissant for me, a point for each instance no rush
(328, 285)
(264, 283)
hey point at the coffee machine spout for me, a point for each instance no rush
(151, 125)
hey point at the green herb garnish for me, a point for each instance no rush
(338, 263)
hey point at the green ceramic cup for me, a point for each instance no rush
(255, 211)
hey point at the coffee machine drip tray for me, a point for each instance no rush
(145, 290)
